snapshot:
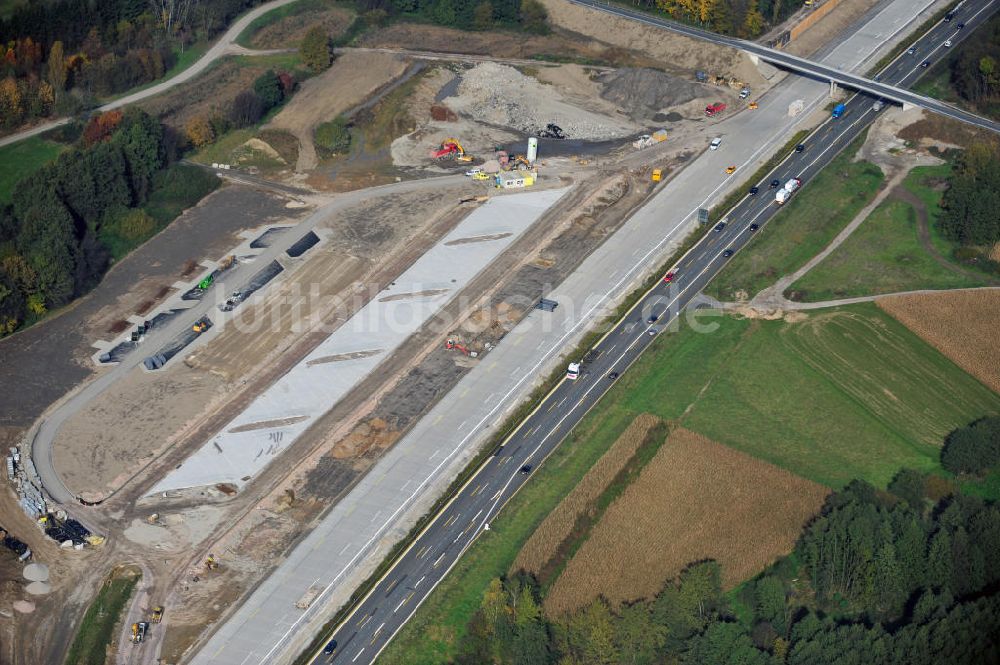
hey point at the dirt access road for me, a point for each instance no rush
(218, 50)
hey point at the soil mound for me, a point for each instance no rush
(643, 93)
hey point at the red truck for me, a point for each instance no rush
(712, 109)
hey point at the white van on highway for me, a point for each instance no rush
(716, 142)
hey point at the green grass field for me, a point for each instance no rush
(846, 393)
(97, 630)
(807, 223)
(23, 158)
(885, 254)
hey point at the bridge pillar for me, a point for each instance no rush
(754, 58)
(907, 106)
(833, 89)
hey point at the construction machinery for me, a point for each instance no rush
(454, 344)
(157, 615)
(450, 149)
(752, 106)
(714, 109)
(551, 131)
(200, 326)
(657, 175)
(211, 563)
(730, 170)
(207, 282)
(139, 632)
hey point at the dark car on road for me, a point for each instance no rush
(754, 227)
(775, 184)
(727, 253)
(720, 226)
(613, 375)
(526, 469)
(652, 318)
(330, 647)
(800, 147)
(925, 64)
(754, 190)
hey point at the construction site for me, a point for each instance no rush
(207, 413)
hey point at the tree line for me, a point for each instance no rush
(970, 204)
(742, 18)
(95, 49)
(65, 221)
(904, 576)
(975, 72)
(526, 15)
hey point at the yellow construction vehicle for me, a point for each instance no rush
(753, 105)
(730, 170)
(657, 175)
(157, 615)
(211, 563)
(199, 327)
(135, 632)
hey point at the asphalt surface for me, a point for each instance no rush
(373, 624)
(885, 88)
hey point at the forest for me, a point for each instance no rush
(69, 220)
(95, 49)
(904, 576)
(971, 201)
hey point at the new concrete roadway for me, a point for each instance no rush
(819, 70)
(347, 543)
(367, 631)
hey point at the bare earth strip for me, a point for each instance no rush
(558, 526)
(486, 238)
(960, 324)
(695, 500)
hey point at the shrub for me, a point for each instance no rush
(246, 110)
(199, 131)
(269, 89)
(334, 136)
(315, 49)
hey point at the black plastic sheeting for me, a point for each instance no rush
(265, 239)
(124, 348)
(161, 357)
(68, 530)
(259, 280)
(303, 244)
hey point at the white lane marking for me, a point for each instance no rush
(418, 582)
(403, 602)
(344, 549)
(436, 563)
(359, 654)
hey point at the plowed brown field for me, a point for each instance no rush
(962, 325)
(695, 500)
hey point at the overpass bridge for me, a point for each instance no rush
(971, 13)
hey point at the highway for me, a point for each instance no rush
(394, 599)
(885, 88)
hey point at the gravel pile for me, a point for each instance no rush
(501, 95)
(642, 93)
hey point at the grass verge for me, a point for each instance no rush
(804, 226)
(245, 38)
(885, 254)
(21, 159)
(97, 629)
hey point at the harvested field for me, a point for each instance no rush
(695, 500)
(960, 324)
(545, 542)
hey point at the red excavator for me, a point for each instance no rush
(450, 149)
(452, 344)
